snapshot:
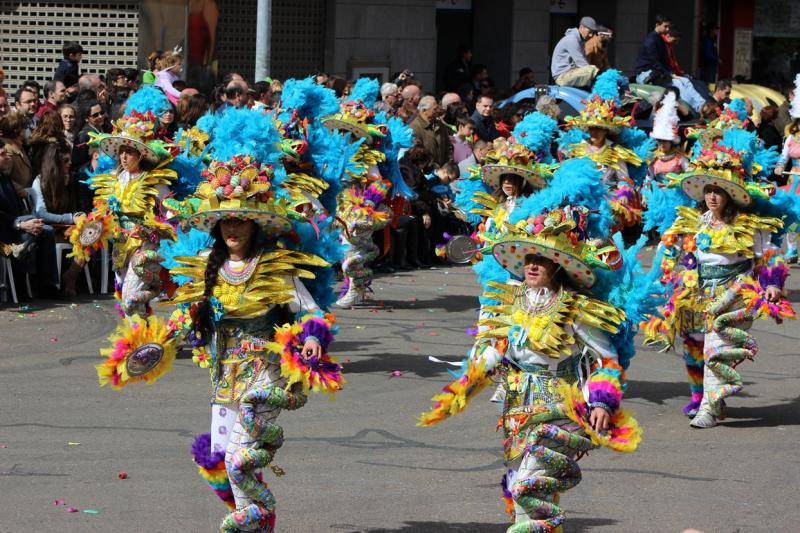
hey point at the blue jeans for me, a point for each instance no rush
(684, 86)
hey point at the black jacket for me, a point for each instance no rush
(653, 56)
(484, 127)
(67, 72)
(11, 207)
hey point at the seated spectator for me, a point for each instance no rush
(49, 131)
(596, 48)
(19, 170)
(652, 63)
(68, 115)
(482, 119)
(462, 139)
(569, 65)
(38, 254)
(722, 92)
(431, 132)
(68, 71)
(479, 151)
(526, 80)
(767, 131)
(50, 201)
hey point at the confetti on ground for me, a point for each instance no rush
(53, 339)
(91, 511)
(72, 510)
(396, 373)
(412, 299)
(359, 327)
(433, 334)
(122, 475)
(71, 443)
(58, 502)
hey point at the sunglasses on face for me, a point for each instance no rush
(97, 115)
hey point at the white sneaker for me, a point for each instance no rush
(352, 297)
(704, 419)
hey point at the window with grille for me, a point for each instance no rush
(32, 33)
(298, 38)
(236, 37)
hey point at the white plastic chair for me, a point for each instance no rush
(7, 282)
(62, 247)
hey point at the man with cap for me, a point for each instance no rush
(68, 70)
(569, 65)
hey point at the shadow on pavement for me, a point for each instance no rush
(389, 362)
(783, 414)
(453, 303)
(657, 391)
(571, 525)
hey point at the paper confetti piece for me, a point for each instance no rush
(396, 373)
(359, 327)
(433, 334)
(122, 475)
(58, 502)
(71, 443)
(53, 339)
(72, 510)
(91, 511)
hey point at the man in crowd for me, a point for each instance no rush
(431, 132)
(25, 102)
(483, 120)
(410, 95)
(54, 94)
(390, 98)
(4, 107)
(479, 151)
(722, 92)
(526, 80)
(261, 93)
(68, 70)
(569, 65)
(458, 72)
(92, 82)
(652, 64)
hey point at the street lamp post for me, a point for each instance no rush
(263, 37)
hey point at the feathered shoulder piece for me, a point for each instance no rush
(734, 238)
(609, 156)
(138, 198)
(544, 330)
(264, 282)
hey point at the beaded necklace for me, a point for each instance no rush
(238, 276)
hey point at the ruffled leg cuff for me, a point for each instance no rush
(623, 433)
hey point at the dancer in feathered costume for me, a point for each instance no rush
(720, 268)
(791, 152)
(550, 338)
(617, 148)
(668, 158)
(362, 205)
(126, 200)
(254, 323)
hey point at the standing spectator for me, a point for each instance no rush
(16, 226)
(526, 80)
(458, 72)
(483, 120)
(709, 56)
(49, 131)
(92, 82)
(767, 131)
(479, 151)
(69, 121)
(410, 95)
(4, 107)
(390, 98)
(431, 132)
(68, 71)
(132, 77)
(510, 115)
(261, 95)
(597, 48)
(569, 65)
(450, 99)
(480, 74)
(197, 107)
(462, 139)
(26, 102)
(12, 128)
(95, 123)
(167, 125)
(652, 63)
(54, 94)
(722, 92)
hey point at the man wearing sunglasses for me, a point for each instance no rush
(95, 122)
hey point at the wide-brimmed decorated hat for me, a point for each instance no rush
(599, 113)
(559, 236)
(719, 166)
(240, 188)
(136, 130)
(511, 157)
(356, 118)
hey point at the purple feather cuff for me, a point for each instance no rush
(316, 327)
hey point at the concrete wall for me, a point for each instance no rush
(396, 33)
(631, 26)
(530, 34)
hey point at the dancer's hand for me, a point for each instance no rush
(311, 348)
(599, 419)
(773, 294)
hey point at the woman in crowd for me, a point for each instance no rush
(12, 132)
(69, 121)
(49, 131)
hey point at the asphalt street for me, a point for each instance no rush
(359, 463)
